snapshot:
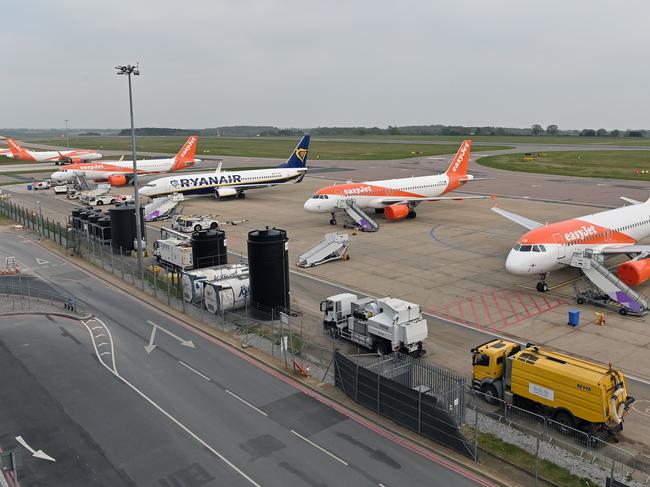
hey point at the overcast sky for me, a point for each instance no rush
(326, 62)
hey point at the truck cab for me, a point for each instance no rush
(489, 365)
(337, 308)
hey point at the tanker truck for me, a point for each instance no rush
(572, 391)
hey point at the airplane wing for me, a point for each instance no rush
(405, 201)
(630, 200)
(626, 249)
(518, 219)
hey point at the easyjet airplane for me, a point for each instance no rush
(15, 151)
(548, 247)
(119, 173)
(396, 198)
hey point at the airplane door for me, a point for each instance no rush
(561, 250)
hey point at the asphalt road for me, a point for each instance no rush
(185, 414)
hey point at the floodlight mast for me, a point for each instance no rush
(135, 71)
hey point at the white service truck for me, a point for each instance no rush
(383, 325)
(173, 253)
(194, 223)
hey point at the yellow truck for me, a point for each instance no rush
(570, 390)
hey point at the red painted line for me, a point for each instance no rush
(521, 301)
(280, 376)
(539, 310)
(546, 301)
(505, 296)
(474, 314)
(496, 303)
(461, 312)
(487, 310)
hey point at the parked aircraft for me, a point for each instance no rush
(15, 151)
(551, 246)
(396, 198)
(225, 184)
(119, 173)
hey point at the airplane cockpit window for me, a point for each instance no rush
(516, 247)
(542, 248)
(525, 248)
(536, 248)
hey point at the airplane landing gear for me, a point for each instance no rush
(333, 219)
(411, 214)
(542, 285)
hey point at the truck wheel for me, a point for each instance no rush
(565, 419)
(100, 202)
(623, 311)
(214, 226)
(580, 300)
(197, 228)
(491, 394)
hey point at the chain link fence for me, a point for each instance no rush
(305, 348)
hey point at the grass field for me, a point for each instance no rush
(505, 139)
(268, 147)
(600, 164)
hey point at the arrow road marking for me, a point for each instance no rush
(41, 261)
(35, 453)
(149, 348)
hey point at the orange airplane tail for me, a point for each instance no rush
(458, 166)
(15, 149)
(185, 157)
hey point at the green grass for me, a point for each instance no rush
(504, 139)
(279, 148)
(600, 164)
(525, 460)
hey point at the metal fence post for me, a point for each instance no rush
(356, 384)
(475, 434)
(378, 389)
(537, 461)
(420, 411)
(611, 474)
(155, 283)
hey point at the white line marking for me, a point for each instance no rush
(320, 448)
(103, 343)
(105, 353)
(246, 402)
(185, 343)
(96, 328)
(100, 335)
(194, 370)
(35, 453)
(170, 417)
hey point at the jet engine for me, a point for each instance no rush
(397, 212)
(224, 193)
(118, 180)
(634, 272)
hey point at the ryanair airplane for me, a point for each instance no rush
(232, 183)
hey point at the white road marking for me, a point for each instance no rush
(103, 343)
(185, 343)
(96, 328)
(246, 402)
(42, 261)
(35, 453)
(105, 353)
(100, 335)
(194, 370)
(169, 416)
(320, 448)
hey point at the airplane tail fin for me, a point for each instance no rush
(15, 149)
(185, 157)
(458, 166)
(299, 156)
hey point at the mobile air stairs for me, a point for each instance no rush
(81, 183)
(162, 208)
(334, 246)
(605, 288)
(359, 219)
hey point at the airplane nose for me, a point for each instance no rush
(515, 264)
(309, 205)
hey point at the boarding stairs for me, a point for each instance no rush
(591, 264)
(81, 183)
(359, 218)
(334, 246)
(162, 208)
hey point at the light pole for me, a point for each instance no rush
(135, 71)
(67, 134)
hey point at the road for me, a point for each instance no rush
(199, 414)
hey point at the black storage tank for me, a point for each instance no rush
(209, 248)
(268, 266)
(104, 229)
(123, 233)
(75, 215)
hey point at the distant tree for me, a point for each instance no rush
(393, 130)
(634, 133)
(587, 133)
(615, 133)
(601, 133)
(500, 131)
(536, 129)
(552, 129)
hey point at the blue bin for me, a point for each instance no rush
(29, 187)
(574, 317)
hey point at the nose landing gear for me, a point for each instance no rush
(333, 219)
(542, 285)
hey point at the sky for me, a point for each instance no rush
(286, 63)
